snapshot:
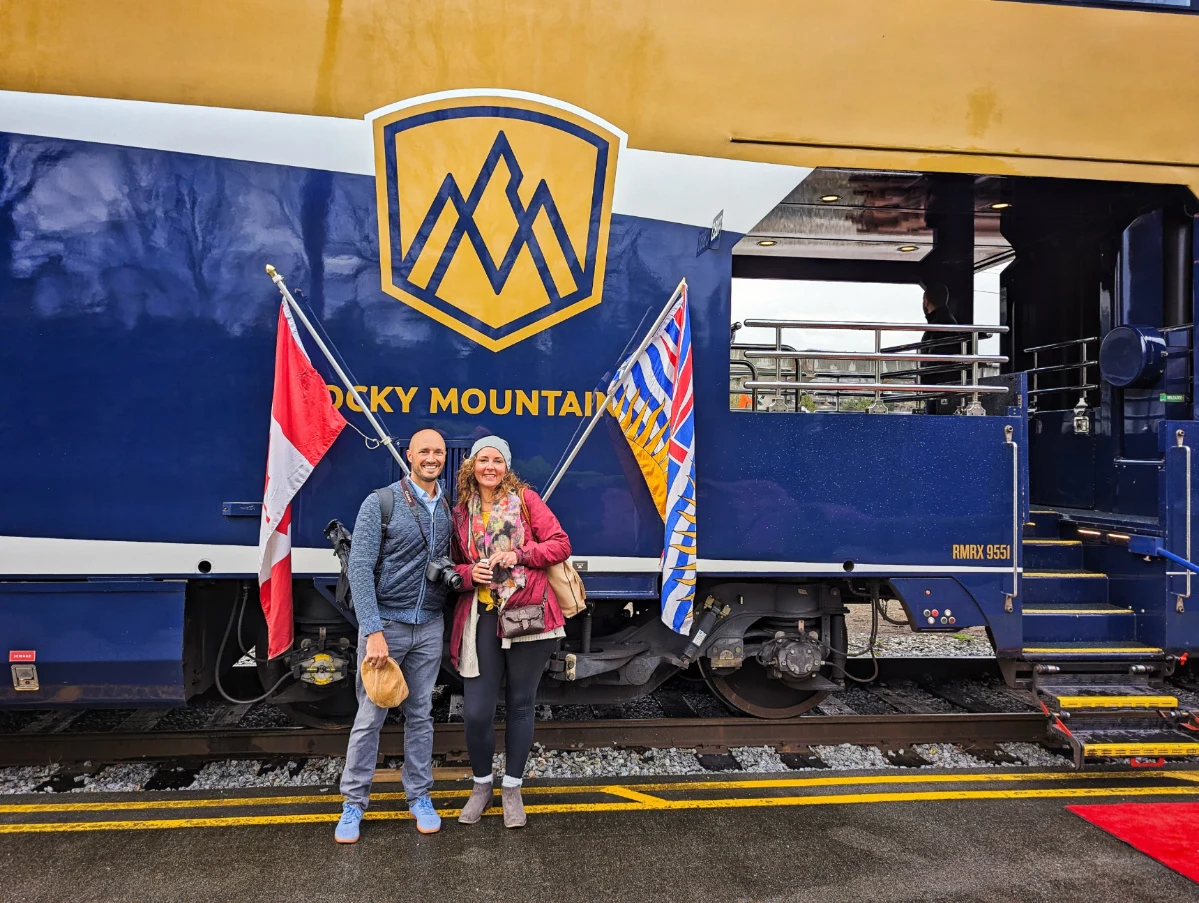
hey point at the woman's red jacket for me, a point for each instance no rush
(546, 544)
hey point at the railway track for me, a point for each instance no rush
(905, 707)
(705, 735)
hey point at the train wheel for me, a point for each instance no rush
(333, 714)
(749, 690)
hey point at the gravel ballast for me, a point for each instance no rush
(543, 763)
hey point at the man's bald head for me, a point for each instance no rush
(429, 437)
(426, 454)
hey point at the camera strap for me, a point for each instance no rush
(410, 498)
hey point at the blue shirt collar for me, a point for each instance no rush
(423, 496)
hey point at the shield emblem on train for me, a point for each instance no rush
(494, 210)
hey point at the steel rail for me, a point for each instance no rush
(874, 387)
(965, 328)
(875, 356)
(1069, 344)
(703, 734)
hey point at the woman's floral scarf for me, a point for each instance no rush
(505, 530)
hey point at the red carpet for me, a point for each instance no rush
(1169, 832)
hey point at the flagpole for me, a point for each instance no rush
(384, 438)
(612, 386)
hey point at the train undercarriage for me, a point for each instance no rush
(772, 650)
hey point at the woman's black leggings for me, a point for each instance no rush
(522, 665)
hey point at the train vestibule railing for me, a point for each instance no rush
(931, 359)
(1076, 377)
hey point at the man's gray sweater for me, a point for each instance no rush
(400, 591)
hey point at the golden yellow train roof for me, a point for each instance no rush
(957, 85)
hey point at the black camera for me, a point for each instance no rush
(441, 570)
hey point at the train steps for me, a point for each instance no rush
(1113, 715)
(1066, 611)
(1065, 605)
(1101, 688)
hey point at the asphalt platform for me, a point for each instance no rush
(986, 835)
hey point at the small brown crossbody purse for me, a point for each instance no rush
(522, 620)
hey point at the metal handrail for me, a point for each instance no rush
(948, 388)
(874, 327)
(1060, 368)
(923, 371)
(964, 334)
(1082, 383)
(1180, 442)
(1017, 520)
(935, 343)
(879, 356)
(753, 374)
(1054, 345)
(1085, 387)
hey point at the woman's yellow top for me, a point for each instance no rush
(485, 591)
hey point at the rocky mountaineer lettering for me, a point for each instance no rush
(472, 400)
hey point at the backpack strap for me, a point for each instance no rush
(524, 509)
(387, 501)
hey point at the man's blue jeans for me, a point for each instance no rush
(417, 650)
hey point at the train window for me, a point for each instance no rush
(786, 332)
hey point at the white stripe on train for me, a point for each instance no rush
(674, 188)
(23, 556)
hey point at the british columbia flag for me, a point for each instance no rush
(655, 405)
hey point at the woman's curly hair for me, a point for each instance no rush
(468, 486)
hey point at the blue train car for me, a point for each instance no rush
(483, 259)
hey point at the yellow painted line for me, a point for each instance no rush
(1118, 702)
(1052, 542)
(629, 794)
(1090, 650)
(852, 780)
(1140, 749)
(1064, 575)
(647, 805)
(667, 786)
(1077, 610)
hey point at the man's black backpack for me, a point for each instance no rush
(341, 539)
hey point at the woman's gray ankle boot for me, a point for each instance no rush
(480, 800)
(514, 807)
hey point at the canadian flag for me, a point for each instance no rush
(304, 424)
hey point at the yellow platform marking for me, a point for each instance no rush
(1118, 702)
(1052, 542)
(645, 803)
(629, 793)
(1077, 611)
(1090, 650)
(659, 787)
(1064, 575)
(1140, 749)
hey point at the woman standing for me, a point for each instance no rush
(505, 538)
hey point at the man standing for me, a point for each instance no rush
(936, 311)
(399, 615)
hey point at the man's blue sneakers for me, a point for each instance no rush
(347, 828)
(427, 819)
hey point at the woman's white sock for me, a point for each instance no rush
(510, 781)
(486, 780)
